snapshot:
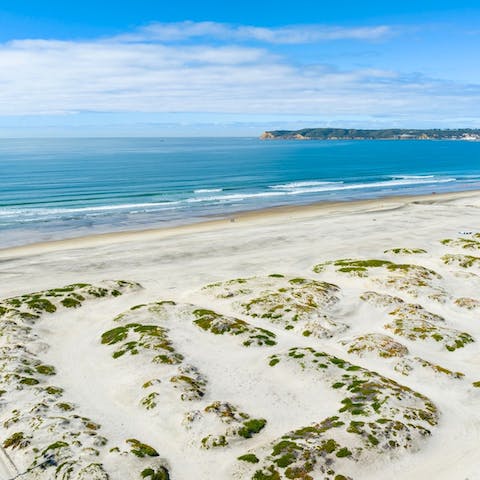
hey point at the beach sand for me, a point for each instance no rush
(203, 385)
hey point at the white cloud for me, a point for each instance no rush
(39, 77)
(294, 34)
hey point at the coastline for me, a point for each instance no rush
(237, 219)
(197, 268)
(102, 200)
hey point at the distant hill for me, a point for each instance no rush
(388, 134)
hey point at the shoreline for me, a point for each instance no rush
(247, 217)
(389, 286)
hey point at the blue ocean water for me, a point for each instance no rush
(59, 188)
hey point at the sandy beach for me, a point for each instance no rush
(336, 341)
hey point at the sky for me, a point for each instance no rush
(211, 68)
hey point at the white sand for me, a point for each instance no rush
(175, 264)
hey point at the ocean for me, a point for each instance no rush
(61, 188)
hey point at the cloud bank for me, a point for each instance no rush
(295, 34)
(151, 70)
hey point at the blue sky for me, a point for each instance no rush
(217, 68)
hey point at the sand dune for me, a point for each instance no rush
(327, 342)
